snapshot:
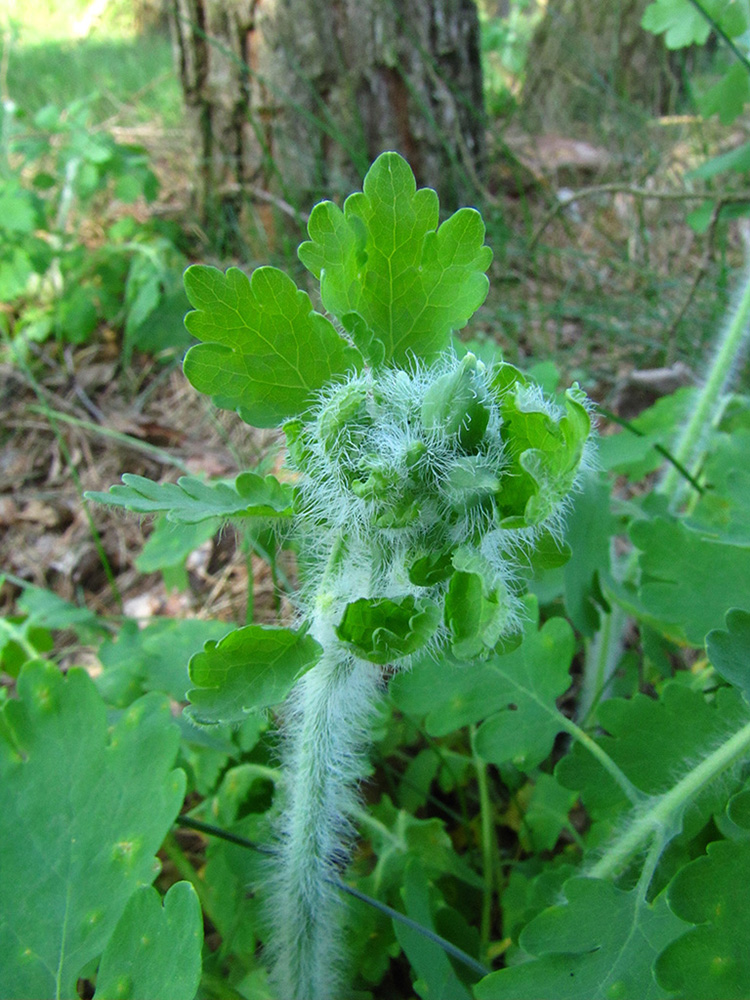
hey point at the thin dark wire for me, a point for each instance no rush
(656, 446)
(447, 946)
(451, 949)
(216, 831)
(721, 33)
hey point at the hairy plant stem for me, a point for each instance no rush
(327, 725)
(627, 786)
(709, 399)
(664, 810)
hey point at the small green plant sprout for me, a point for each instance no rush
(426, 484)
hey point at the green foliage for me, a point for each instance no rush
(83, 813)
(155, 949)
(513, 695)
(711, 959)
(191, 500)
(399, 284)
(602, 942)
(687, 580)
(506, 34)
(684, 23)
(54, 169)
(729, 651)
(653, 765)
(264, 349)
(249, 669)
(436, 977)
(153, 658)
(558, 812)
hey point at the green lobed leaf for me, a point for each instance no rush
(398, 283)
(728, 97)
(83, 812)
(153, 658)
(687, 580)
(514, 693)
(679, 21)
(650, 741)
(599, 945)
(264, 347)
(155, 950)
(251, 668)
(532, 886)
(381, 630)
(711, 960)
(729, 651)
(190, 500)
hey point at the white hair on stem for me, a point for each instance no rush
(326, 724)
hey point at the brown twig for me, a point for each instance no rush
(670, 331)
(636, 192)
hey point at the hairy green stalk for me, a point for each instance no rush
(327, 733)
(661, 813)
(707, 406)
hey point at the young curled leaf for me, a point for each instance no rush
(381, 630)
(478, 608)
(458, 403)
(546, 449)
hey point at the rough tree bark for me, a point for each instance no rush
(586, 58)
(298, 96)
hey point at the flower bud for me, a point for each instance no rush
(458, 404)
(346, 411)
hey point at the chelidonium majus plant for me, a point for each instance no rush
(425, 486)
(420, 496)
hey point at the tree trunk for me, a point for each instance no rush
(297, 97)
(587, 59)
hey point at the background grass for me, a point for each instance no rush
(131, 79)
(600, 292)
